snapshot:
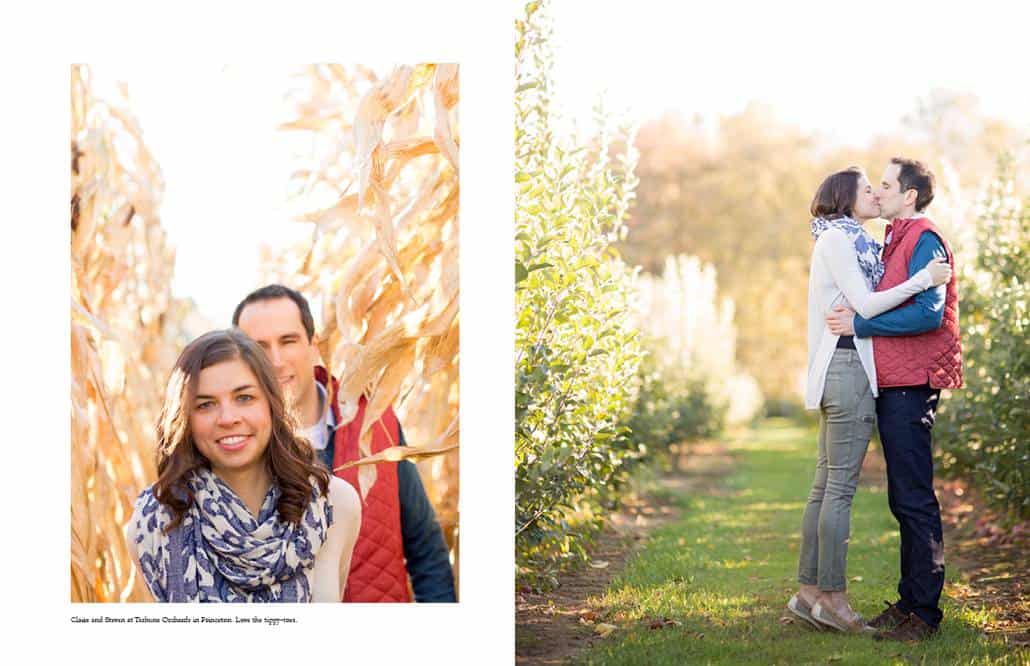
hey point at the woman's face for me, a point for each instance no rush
(230, 418)
(866, 205)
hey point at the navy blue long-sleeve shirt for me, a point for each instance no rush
(425, 550)
(926, 312)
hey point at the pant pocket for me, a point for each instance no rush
(839, 395)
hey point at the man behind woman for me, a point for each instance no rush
(228, 437)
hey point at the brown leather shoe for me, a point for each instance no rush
(888, 619)
(911, 630)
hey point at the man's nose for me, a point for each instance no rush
(274, 356)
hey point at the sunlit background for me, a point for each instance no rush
(225, 164)
(732, 148)
(845, 74)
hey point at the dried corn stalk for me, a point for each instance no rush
(381, 194)
(122, 340)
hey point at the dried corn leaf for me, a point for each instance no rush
(398, 453)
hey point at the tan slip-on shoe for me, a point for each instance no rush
(827, 617)
(800, 608)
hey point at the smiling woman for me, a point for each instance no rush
(231, 425)
(240, 511)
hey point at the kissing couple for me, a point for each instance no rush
(883, 340)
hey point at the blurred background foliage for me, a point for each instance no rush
(983, 430)
(735, 193)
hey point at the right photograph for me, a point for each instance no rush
(771, 372)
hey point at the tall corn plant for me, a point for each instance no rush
(379, 187)
(576, 352)
(123, 336)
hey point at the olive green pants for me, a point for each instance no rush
(846, 421)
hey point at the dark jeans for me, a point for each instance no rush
(905, 416)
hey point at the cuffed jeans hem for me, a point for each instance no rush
(813, 579)
(833, 587)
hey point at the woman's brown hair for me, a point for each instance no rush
(836, 196)
(289, 458)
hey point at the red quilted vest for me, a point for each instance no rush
(933, 357)
(377, 571)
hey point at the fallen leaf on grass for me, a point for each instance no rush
(856, 579)
(603, 629)
(599, 564)
(786, 620)
(662, 622)
(834, 658)
(588, 615)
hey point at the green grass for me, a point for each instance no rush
(726, 569)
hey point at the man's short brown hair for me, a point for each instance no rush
(914, 175)
(272, 292)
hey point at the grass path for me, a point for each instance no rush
(711, 587)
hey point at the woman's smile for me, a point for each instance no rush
(233, 442)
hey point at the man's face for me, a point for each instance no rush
(889, 196)
(275, 325)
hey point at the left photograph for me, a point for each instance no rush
(265, 333)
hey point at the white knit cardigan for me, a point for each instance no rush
(836, 279)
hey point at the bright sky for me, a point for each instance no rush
(213, 132)
(836, 68)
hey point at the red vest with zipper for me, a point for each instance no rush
(377, 571)
(933, 357)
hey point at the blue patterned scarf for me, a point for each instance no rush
(221, 552)
(866, 248)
